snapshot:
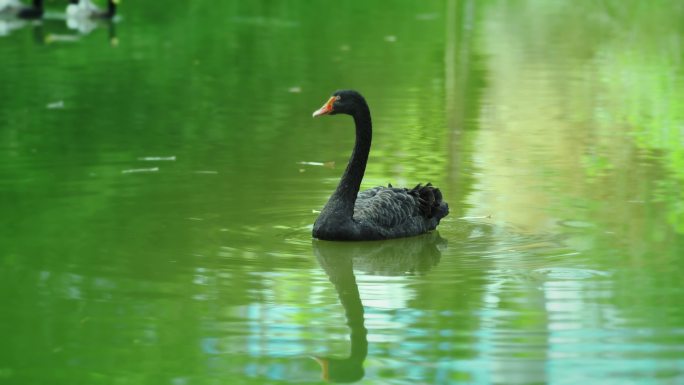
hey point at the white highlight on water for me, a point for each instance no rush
(158, 158)
(138, 170)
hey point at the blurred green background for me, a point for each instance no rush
(159, 177)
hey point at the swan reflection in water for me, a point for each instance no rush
(390, 258)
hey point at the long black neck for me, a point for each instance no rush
(344, 196)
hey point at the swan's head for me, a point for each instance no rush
(343, 102)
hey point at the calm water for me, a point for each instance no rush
(159, 178)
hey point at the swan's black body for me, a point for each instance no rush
(378, 213)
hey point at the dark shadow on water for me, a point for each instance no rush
(390, 258)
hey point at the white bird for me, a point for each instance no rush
(82, 15)
(87, 10)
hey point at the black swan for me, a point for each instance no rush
(380, 212)
(17, 9)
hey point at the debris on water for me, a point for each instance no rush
(294, 90)
(330, 164)
(195, 219)
(140, 170)
(61, 38)
(311, 163)
(302, 170)
(206, 172)
(482, 217)
(345, 47)
(158, 158)
(390, 38)
(56, 105)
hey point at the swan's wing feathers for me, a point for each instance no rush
(386, 206)
(430, 199)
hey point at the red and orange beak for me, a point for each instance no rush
(326, 109)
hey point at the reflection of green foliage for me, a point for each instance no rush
(632, 51)
(645, 82)
(596, 165)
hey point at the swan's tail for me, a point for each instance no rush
(430, 201)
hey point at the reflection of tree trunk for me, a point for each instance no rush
(450, 64)
(454, 112)
(461, 88)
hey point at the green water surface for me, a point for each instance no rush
(159, 177)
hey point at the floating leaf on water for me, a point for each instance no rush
(390, 38)
(139, 170)
(206, 172)
(294, 90)
(158, 158)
